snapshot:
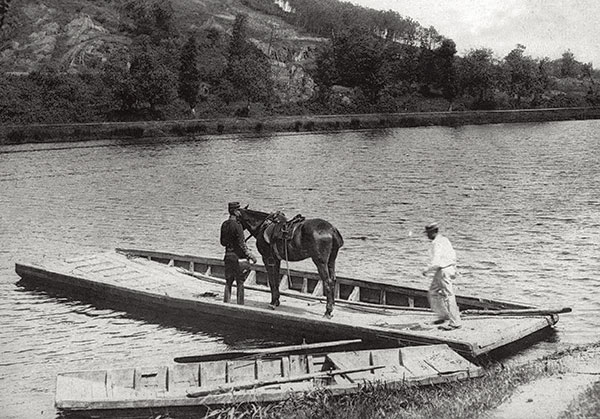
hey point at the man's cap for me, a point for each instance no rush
(233, 206)
(432, 226)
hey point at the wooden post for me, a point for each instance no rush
(318, 291)
(355, 294)
(284, 285)
(251, 279)
(258, 368)
(285, 366)
(304, 285)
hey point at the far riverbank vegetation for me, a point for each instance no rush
(362, 61)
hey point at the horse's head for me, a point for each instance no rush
(252, 220)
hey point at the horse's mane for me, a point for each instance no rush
(256, 213)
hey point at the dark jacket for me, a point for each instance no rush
(232, 237)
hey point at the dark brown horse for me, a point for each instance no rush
(308, 238)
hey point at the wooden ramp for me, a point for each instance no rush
(141, 282)
(236, 381)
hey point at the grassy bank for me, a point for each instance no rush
(469, 399)
(587, 405)
(305, 123)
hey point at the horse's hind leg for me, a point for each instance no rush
(331, 269)
(323, 269)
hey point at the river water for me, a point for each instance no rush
(520, 203)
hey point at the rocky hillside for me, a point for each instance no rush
(71, 35)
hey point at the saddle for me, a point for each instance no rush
(281, 230)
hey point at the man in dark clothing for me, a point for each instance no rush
(232, 237)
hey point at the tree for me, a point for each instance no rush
(153, 81)
(569, 67)
(238, 46)
(251, 76)
(522, 76)
(145, 81)
(147, 17)
(400, 64)
(358, 56)
(189, 75)
(477, 77)
(445, 57)
(325, 73)
(248, 69)
(3, 11)
(212, 56)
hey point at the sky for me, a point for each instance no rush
(547, 28)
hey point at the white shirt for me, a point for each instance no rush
(442, 253)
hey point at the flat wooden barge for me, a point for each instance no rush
(371, 311)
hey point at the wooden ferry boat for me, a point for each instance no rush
(259, 379)
(368, 310)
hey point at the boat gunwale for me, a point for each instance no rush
(363, 283)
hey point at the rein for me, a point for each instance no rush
(271, 218)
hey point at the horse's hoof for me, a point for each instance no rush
(277, 303)
(328, 315)
(272, 306)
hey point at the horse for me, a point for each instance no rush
(304, 238)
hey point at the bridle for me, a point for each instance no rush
(268, 220)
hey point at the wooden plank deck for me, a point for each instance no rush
(150, 283)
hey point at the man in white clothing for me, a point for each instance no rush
(443, 266)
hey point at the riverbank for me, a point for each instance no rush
(561, 385)
(20, 134)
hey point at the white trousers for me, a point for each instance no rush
(441, 296)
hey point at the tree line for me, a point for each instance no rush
(384, 64)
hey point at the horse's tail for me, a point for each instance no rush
(338, 237)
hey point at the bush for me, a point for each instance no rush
(188, 129)
(135, 132)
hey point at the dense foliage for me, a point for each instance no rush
(372, 61)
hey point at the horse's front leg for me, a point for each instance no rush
(273, 264)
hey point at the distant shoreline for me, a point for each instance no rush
(51, 133)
